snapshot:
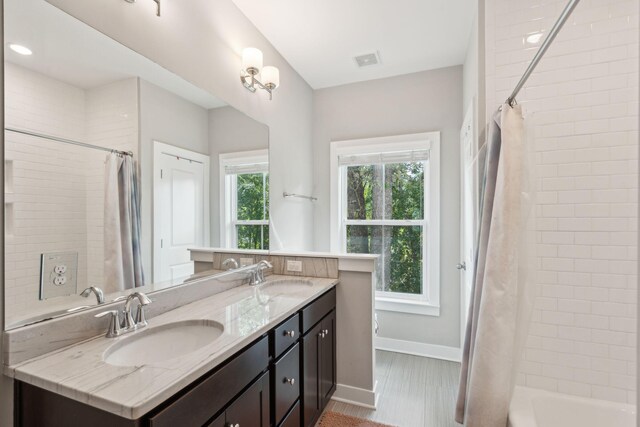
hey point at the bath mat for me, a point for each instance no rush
(336, 419)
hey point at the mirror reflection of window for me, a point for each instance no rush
(246, 201)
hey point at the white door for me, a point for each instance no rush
(180, 210)
(468, 215)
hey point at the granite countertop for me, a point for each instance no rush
(80, 373)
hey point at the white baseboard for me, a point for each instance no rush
(434, 351)
(356, 396)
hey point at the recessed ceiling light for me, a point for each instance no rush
(534, 38)
(22, 50)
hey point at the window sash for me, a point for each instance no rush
(250, 222)
(423, 295)
(234, 222)
(246, 168)
(344, 193)
(379, 158)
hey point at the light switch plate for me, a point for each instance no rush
(245, 261)
(58, 274)
(295, 266)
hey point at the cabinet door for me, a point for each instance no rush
(218, 422)
(327, 358)
(311, 375)
(251, 409)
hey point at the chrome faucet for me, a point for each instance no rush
(230, 264)
(256, 274)
(116, 327)
(143, 301)
(94, 290)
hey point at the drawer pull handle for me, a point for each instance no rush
(321, 334)
(325, 332)
(290, 381)
(291, 334)
(232, 425)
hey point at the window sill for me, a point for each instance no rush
(407, 306)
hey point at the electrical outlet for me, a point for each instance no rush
(245, 261)
(295, 266)
(58, 274)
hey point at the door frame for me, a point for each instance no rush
(467, 150)
(159, 149)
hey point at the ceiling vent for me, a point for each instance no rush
(367, 59)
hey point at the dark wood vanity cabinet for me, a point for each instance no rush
(283, 379)
(251, 408)
(319, 368)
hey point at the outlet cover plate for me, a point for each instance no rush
(295, 266)
(58, 274)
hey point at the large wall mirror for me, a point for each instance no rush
(114, 168)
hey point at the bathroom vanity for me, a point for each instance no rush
(274, 364)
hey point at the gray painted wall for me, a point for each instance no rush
(413, 103)
(167, 118)
(230, 131)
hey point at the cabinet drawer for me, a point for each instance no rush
(293, 419)
(315, 311)
(286, 335)
(200, 403)
(287, 382)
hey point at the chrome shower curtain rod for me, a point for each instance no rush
(68, 141)
(543, 49)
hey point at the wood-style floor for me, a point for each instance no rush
(413, 391)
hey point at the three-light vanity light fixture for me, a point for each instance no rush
(253, 75)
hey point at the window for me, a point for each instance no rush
(245, 189)
(386, 203)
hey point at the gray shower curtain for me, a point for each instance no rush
(499, 304)
(122, 256)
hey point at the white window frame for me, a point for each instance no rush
(428, 303)
(228, 194)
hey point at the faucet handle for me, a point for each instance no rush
(140, 316)
(114, 323)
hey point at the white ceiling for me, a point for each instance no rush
(70, 51)
(320, 38)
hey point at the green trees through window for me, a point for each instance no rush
(385, 213)
(252, 211)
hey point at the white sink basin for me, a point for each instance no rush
(284, 286)
(163, 343)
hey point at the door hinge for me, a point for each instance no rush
(161, 243)
(160, 173)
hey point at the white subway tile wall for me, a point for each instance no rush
(112, 121)
(582, 105)
(55, 195)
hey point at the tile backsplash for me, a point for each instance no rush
(310, 266)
